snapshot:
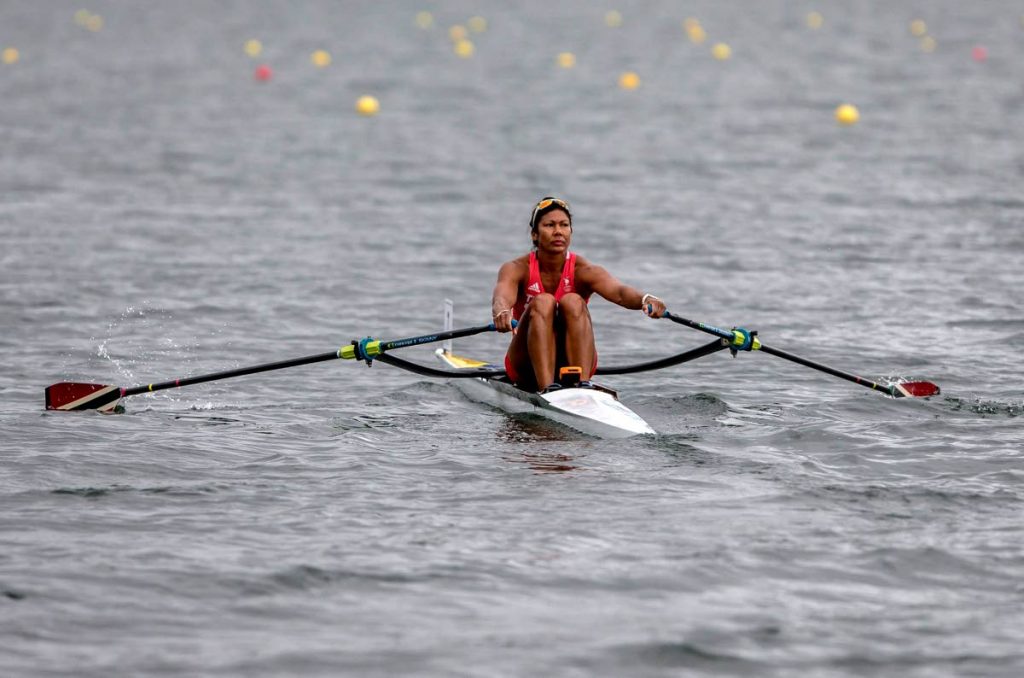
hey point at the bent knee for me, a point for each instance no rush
(543, 304)
(572, 305)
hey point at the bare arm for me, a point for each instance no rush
(506, 290)
(609, 287)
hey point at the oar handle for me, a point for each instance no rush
(371, 348)
(736, 338)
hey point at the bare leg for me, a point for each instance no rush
(579, 333)
(532, 350)
(541, 339)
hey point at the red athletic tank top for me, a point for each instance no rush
(535, 287)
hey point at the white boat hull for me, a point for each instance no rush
(594, 411)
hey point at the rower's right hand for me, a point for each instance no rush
(503, 321)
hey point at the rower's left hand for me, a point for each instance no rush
(654, 308)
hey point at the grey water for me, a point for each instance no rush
(163, 214)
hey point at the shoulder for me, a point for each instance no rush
(517, 267)
(588, 270)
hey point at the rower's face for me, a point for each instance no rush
(554, 231)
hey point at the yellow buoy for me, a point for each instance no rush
(928, 44)
(424, 20)
(721, 51)
(696, 34)
(918, 28)
(477, 24)
(82, 17)
(94, 23)
(464, 48)
(629, 80)
(320, 58)
(11, 56)
(457, 32)
(367, 105)
(613, 19)
(253, 48)
(815, 20)
(566, 59)
(847, 114)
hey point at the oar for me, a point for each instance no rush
(742, 340)
(74, 396)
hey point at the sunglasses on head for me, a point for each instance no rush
(546, 203)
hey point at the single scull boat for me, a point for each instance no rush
(595, 411)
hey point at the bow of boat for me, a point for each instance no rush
(594, 411)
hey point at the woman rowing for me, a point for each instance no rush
(546, 292)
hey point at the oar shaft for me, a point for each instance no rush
(889, 390)
(348, 352)
(373, 348)
(758, 346)
(736, 340)
(440, 336)
(228, 374)
(710, 329)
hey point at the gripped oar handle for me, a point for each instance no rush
(736, 338)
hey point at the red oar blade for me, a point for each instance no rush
(916, 389)
(68, 395)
